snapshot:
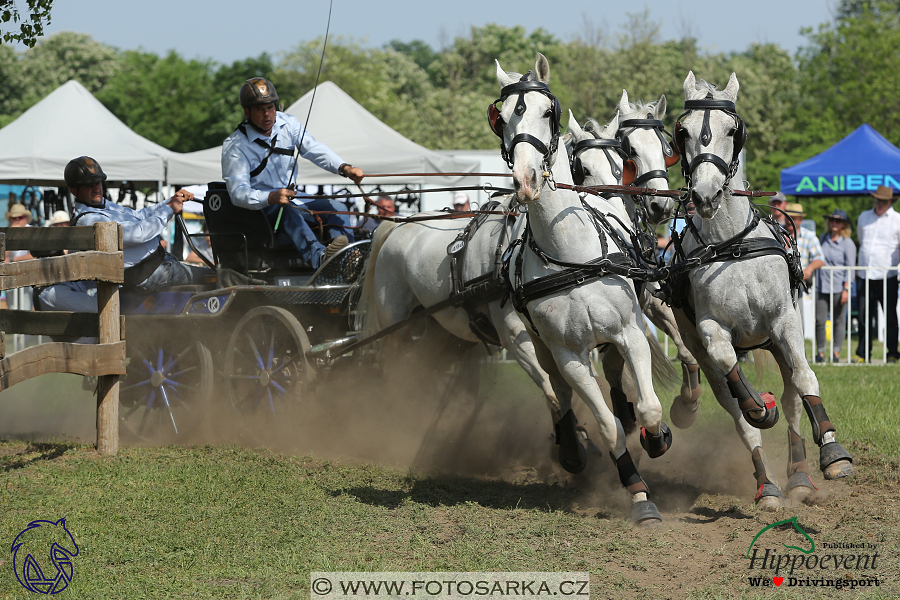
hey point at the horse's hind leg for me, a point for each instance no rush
(834, 461)
(520, 347)
(663, 317)
(572, 455)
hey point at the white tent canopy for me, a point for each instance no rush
(355, 134)
(68, 123)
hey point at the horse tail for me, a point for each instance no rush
(763, 363)
(364, 322)
(663, 372)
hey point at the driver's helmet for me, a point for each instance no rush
(257, 90)
(83, 170)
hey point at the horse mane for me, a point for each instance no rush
(639, 107)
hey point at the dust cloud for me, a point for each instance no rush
(475, 418)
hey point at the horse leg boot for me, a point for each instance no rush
(572, 455)
(686, 406)
(768, 494)
(834, 461)
(758, 413)
(643, 511)
(799, 484)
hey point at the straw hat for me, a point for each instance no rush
(883, 193)
(794, 209)
(18, 210)
(59, 217)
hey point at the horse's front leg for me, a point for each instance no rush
(718, 341)
(577, 370)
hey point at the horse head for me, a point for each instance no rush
(526, 119)
(709, 135)
(648, 153)
(594, 152)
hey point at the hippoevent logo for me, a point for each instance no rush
(798, 564)
(42, 556)
(846, 183)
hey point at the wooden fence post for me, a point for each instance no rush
(108, 238)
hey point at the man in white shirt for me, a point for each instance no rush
(878, 230)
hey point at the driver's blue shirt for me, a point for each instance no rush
(241, 155)
(140, 228)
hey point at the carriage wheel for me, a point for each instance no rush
(166, 390)
(266, 373)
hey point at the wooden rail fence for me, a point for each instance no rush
(95, 253)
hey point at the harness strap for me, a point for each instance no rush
(270, 150)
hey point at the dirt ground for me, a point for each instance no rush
(703, 486)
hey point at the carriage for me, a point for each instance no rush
(198, 349)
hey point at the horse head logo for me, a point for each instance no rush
(792, 521)
(44, 539)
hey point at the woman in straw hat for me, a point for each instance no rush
(18, 216)
(833, 285)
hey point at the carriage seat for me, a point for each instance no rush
(243, 240)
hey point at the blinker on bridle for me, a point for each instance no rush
(658, 128)
(578, 173)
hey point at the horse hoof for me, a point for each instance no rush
(800, 486)
(657, 445)
(770, 504)
(645, 514)
(683, 414)
(770, 414)
(834, 461)
(769, 498)
(838, 469)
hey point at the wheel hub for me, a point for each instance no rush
(264, 379)
(156, 380)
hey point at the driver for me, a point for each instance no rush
(258, 164)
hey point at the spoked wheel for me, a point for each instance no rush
(167, 388)
(266, 373)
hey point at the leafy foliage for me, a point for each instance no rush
(30, 29)
(794, 107)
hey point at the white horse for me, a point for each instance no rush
(569, 310)
(740, 296)
(648, 156)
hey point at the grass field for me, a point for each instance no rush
(228, 522)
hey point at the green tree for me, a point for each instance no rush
(54, 61)
(30, 28)
(162, 99)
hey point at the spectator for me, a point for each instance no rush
(386, 208)
(878, 230)
(59, 219)
(833, 285)
(18, 216)
(811, 257)
(461, 201)
(778, 201)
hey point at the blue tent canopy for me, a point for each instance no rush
(857, 164)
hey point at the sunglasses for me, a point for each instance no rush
(19, 218)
